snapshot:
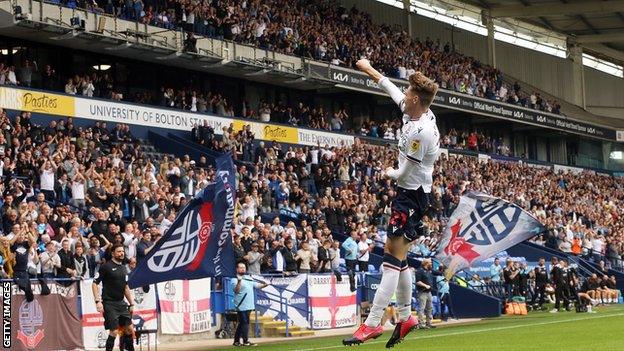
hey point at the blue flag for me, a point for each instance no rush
(198, 244)
(482, 226)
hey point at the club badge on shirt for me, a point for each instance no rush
(415, 146)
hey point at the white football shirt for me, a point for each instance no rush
(419, 144)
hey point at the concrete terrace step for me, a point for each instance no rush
(262, 319)
(267, 328)
(280, 331)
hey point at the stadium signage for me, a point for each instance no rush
(351, 79)
(146, 116)
(36, 101)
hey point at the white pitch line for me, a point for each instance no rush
(475, 331)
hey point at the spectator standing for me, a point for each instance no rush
(559, 276)
(48, 171)
(304, 256)
(334, 257)
(365, 246)
(324, 259)
(351, 251)
(444, 294)
(21, 244)
(254, 259)
(290, 263)
(25, 73)
(510, 275)
(541, 280)
(68, 265)
(495, 271)
(424, 285)
(244, 300)
(80, 262)
(144, 246)
(50, 261)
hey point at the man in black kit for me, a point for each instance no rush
(117, 313)
(510, 275)
(560, 279)
(541, 279)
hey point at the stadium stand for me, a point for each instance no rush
(271, 25)
(94, 184)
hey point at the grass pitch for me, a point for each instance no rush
(540, 331)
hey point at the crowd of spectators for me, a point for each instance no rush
(101, 85)
(78, 189)
(325, 31)
(558, 283)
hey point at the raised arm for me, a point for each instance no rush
(395, 93)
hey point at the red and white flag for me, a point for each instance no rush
(333, 304)
(184, 306)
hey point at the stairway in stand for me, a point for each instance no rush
(270, 327)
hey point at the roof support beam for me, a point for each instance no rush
(585, 7)
(607, 51)
(599, 38)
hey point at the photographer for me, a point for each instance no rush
(244, 300)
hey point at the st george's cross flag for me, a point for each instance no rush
(482, 226)
(198, 244)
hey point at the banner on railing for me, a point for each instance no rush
(37, 101)
(371, 282)
(145, 316)
(184, 306)
(153, 116)
(36, 325)
(350, 79)
(282, 291)
(333, 304)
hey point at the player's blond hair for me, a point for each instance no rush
(423, 87)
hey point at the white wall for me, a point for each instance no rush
(604, 93)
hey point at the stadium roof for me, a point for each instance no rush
(596, 25)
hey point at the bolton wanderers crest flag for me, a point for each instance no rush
(198, 244)
(482, 226)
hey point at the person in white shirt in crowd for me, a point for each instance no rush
(365, 246)
(87, 87)
(131, 238)
(47, 177)
(70, 88)
(305, 257)
(78, 191)
(249, 208)
(11, 78)
(277, 228)
(334, 257)
(50, 261)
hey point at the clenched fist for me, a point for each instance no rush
(363, 64)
